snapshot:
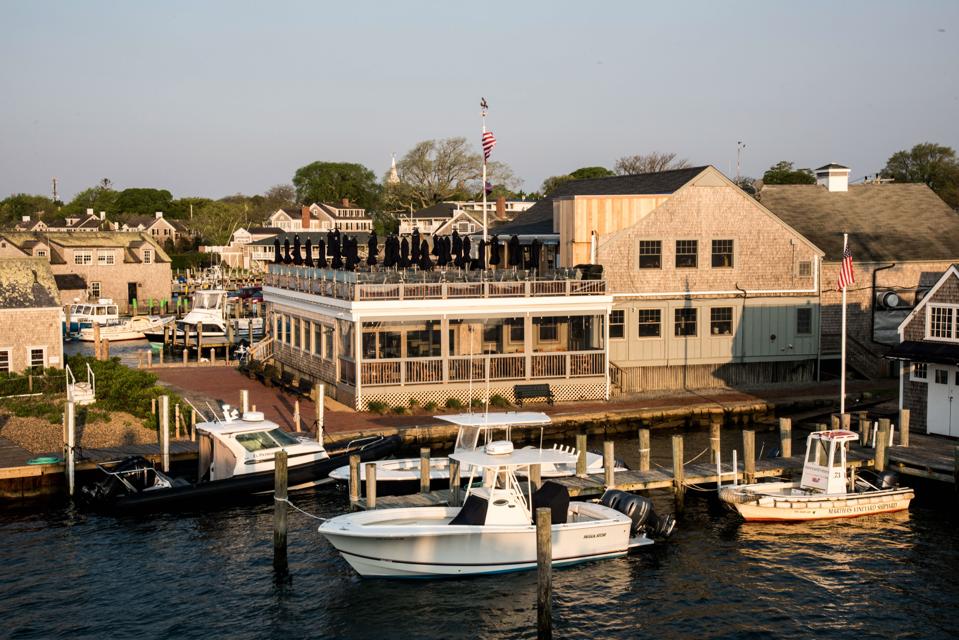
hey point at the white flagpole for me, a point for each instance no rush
(482, 139)
(842, 368)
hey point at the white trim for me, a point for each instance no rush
(912, 376)
(9, 352)
(922, 303)
(30, 364)
(953, 336)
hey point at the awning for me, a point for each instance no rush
(934, 352)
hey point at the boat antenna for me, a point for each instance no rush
(199, 413)
(213, 411)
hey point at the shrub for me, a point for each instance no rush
(399, 410)
(454, 403)
(430, 406)
(496, 400)
(49, 409)
(120, 388)
(414, 403)
(476, 403)
(376, 406)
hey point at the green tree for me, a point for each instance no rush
(102, 197)
(215, 221)
(332, 181)
(587, 173)
(929, 163)
(143, 201)
(14, 207)
(784, 173)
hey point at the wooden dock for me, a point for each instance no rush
(930, 457)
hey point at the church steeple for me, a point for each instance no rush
(394, 177)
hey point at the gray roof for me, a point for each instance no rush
(69, 281)
(538, 219)
(438, 210)
(27, 283)
(885, 222)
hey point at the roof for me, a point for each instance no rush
(312, 236)
(438, 210)
(27, 283)
(261, 230)
(832, 165)
(69, 281)
(503, 419)
(951, 272)
(934, 352)
(885, 222)
(93, 239)
(538, 219)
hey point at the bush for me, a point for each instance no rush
(414, 403)
(398, 410)
(430, 406)
(496, 400)
(476, 403)
(453, 403)
(49, 409)
(376, 407)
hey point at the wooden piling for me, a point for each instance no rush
(455, 482)
(97, 353)
(153, 406)
(679, 472)
(160, 353)
(186, 356)
(644, 449)
(320, 411)
(279, 510)
(296, 415)
(904, 427)
(536, 476)
(370, 485)
(749, 456)
(105, 348)
(244, 400)
(176, 420)
(424, 469)
(845, 421)
(834, 422)
(544, 573)
(70, 444)
(715, 431)
(149, 357)
(862, 423)
(786, 437)
(581, 450)
(609, 464)
(192, 425)
(354, 479)
(882, 442)
(165, 432)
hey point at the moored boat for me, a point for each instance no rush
(824, 492)
(131, 329)
(208, 314)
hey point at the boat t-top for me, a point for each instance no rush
(475, 430)
(494, 531)
(825, 491)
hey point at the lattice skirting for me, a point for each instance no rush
(392, 397)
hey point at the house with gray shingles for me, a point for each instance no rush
(441, 219)
(903, 237)
(345, 216)
(929, 356)
(31, 334)
(159, 228)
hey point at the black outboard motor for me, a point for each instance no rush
(640, 511)
(879, 479)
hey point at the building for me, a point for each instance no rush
(87, 222)
(345, 216)
(241, 253)
(903, 237)
(497, 210)
(928, 354)
(121, 266)
(31, 333)
(440, 219)
(156, 226)
(709, 287)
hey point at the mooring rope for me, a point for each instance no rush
(286, 500)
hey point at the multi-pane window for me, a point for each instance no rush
(685, 322)
(805, 269)
(105, 258)
(940, 322)
(548, 330)
(515, 329)
(803, 321)
(5, 361)
(722, 253)
(650, 321)
(687, 254)
(919, 370)
(296, 333)
(83, 257)
(286, 330)
(328, 343)
(650, 254)
(37, 358)
(147, 256)
(721, 321)
(617, 324)
(95, 290)
(942, 376)
(317, 339)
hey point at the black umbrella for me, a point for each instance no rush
(494, 251)
(297, 256)
(336, 253)
(457, 248)
(534, 252)
(442, 253)
(321, 255)
(286, 251)
(351, 252)
(404, 254)
(277, 258)
(466, 260)
(389, 257)
(415, 245)
(308, 254)
(436, 245)
(481, 255)
(371, 250)
(425, 263)
(515, 257)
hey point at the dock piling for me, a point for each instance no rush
(279, 510)
(192, 425)
(609, 464)
(644, 449)
(679, 487)
(354, 479)
(424, 470)
(296, 415)
(881, 444)
(165, 432)
(370, 485)
(863, 423)
(834, 422)
(749, 456)
(544, 573)
(845, 420)
(535, 476)
(455, 482)
(320, 411)
(581, 451)
(244, 400)
(904, 427)
(785, 437)
(715, 431)
(176, 420)
(71, 442)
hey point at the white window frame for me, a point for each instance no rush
(106, 258)
(799, 269)
(148, 256)
(83, 258)
(41, 253)
(912, 372)
(952, 328)
(621, 324)
(30, 350)
(96, 290)
(9, 366)
(639, 315)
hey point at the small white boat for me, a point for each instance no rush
(494, 531)
(475, 430)
(132, 329)
(86, 314)
(824, 492)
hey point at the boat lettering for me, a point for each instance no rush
(595, 535)
(863, 508)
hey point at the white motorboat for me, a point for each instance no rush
(208, 310)
(131, 329)
(475, 430)
(493, 532)
(824, 492)
(86, 314)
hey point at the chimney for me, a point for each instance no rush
(305, 217)
(501, 208)
(103, 215)
(24, 218)
(89, 212)
(159, 214)
(345, 202)
(834, 177)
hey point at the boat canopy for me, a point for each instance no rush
(501, 419)
(518, 457)
(244, 425)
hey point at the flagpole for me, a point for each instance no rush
(485, 235)
(842, 366)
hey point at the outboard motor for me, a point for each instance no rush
(640, 511)
(880, 479)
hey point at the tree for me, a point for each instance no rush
(438, 170)
(649, 163)
(14, 207)
(333, 181)
(929, 163)
(583, 173)
(784, 173)
(279, 196)
(215, 221)
(143, 201)
(102, 197)
(550, 183)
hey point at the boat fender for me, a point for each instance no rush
(735, 495)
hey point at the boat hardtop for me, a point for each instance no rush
(496, 419)
(485, 457)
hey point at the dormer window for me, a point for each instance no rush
(941, 322)
(147, 256)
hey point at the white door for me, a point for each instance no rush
(942, 413)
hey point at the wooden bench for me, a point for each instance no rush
(304, 387)
(528, 391)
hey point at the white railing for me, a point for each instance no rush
(71, 382)
(92, 380)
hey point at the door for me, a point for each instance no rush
(131, 292)
(942, 413)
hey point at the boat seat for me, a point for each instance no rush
(473, 511)
(556, 497)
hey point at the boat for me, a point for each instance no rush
(208, 312)
(397, 476)
(86, 314)
(824, 492)
(493, 531)
(131, 329)
(236, 461)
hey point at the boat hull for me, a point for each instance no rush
(771, 507)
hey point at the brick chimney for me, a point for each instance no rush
(501, 208)
(305, 217)
(345, 202)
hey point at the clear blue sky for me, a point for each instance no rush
(214, 98)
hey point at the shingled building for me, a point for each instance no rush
(31, 334)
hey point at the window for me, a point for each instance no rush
(295, 342)
(83, 257)
(940, 322)
(317, 339)
(105, 258)
(5, 361)
(649, 323)
(685, 322)
(95, 290)
(147, 256)
(38, 358)
(617, 324)
(919, 371)
(650, 254)
(805, 268)
(328, 343)
(687, 254)
(41, 253)
(515, 329)
(286, 331)
(722, 253)
(721, 321)
(804, 321)
(942, 376)
(548, 330)
(491, 332)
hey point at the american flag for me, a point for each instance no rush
(489, 141)
(846, 275)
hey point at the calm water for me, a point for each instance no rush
(70, 574)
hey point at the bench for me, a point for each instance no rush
(304, 387)
(529, 391)
(286, 381)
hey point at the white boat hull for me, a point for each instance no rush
(419, 542)
(132, 329)
(780, 501)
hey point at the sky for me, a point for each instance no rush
(215, 98)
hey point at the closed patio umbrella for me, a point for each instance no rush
(371, 250)
(286, 251)
(515, 257)
(321, 254)
(277, 256)
(297, 256)
(494, 251)
(308, 253)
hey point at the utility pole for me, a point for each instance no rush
(740, 146)
(55, 199)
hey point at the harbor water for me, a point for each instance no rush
(71, 574)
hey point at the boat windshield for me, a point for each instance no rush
(206, 300)
(260, 440)
(467, 438)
